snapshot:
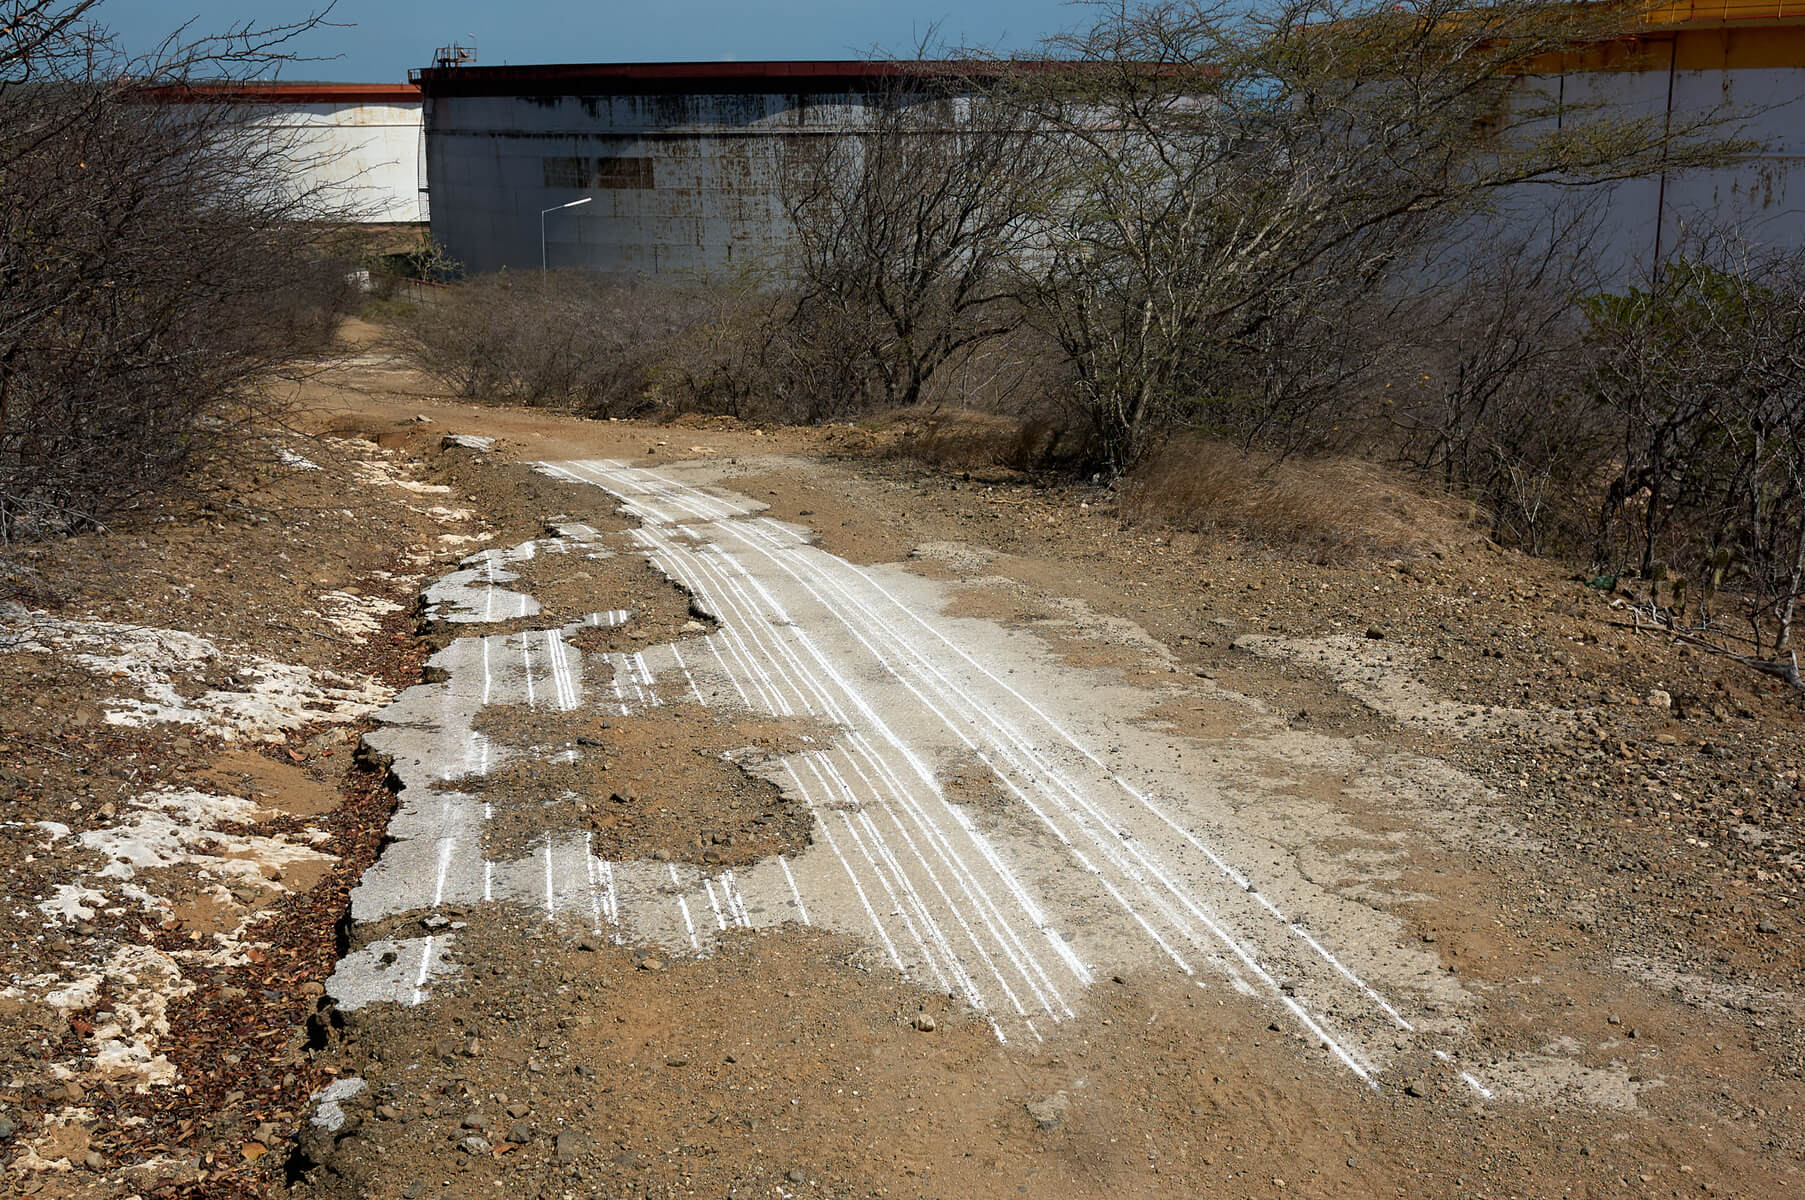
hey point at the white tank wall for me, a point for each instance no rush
(1763, 193)
(367, 156)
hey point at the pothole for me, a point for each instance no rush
(678, 783)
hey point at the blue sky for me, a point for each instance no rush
(386, 37)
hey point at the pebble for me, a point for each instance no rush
(1416, 1087)
(569, 1146)
(519, 1109)
(1049, 1112)
(7, 1129)
(1766, 926)
(474, 1145)
(650, 964)
(925, 1022)
(795, 1176)
(520, 1133)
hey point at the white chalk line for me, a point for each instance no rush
(1204, 918)
(782, 619)
(759, 620)
(1197, 911)
(689, 926)
(795, 893)
(927, 777)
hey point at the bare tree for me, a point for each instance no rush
(158, 254)
(903, 232)
(1233, 179)
(1482, 392)
(1703, 376)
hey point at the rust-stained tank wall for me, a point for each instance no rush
(1755, 77)
(678, 183)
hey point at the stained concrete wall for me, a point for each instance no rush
(676, 183)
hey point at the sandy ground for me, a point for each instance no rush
(1549, 871)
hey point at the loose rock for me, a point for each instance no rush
(1050, 1112)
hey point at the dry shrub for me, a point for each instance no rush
(566, 339)
(1330, 508)
(160, 256)
(955, 439)
(724, 360)
(965, 439)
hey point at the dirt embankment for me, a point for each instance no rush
(182, 810)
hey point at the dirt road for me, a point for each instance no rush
(774, 819)
(963, 817)
(1039, 850)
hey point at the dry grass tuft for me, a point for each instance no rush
(1330, 508)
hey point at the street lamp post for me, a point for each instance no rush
(542, 213)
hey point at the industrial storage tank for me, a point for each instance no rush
(676, 163)
(1744, 61)
(650, 169)
(358, 146)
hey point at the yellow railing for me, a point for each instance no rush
(1687, 12)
